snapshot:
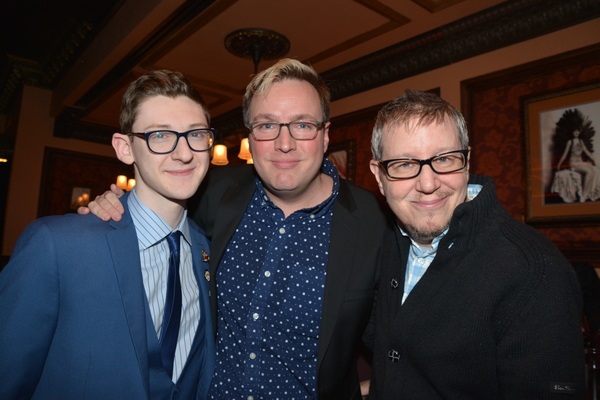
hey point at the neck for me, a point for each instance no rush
(292, 201)
(171, 211)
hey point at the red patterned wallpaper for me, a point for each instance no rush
(494, 114)
(358, 126)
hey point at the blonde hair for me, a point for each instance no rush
(286, 68)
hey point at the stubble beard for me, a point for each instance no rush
(425, 236)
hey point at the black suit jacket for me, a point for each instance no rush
(352, 270)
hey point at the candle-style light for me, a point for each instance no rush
(220, 155)
(122, 182)
(245, 150)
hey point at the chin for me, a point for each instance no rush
(425, 234)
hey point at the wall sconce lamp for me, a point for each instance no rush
(245, 150)
(124, 184)
(220, 155)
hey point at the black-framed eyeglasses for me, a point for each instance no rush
(299, 130)
(407, 168)
(164, 142)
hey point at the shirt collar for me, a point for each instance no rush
(151, 228)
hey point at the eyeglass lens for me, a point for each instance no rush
(165, 141)
(301, 130)
(442, 164)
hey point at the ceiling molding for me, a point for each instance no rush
(396, 20)
(43, 74)
(493, 28)
(434, 6)
(186, 13)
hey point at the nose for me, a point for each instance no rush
(427, 181)
(182, 151)
(285, 142)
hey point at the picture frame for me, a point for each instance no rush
(80, 197)
(68, 175)
(343, 156)
(569, 195)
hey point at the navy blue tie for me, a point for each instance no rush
(172, 314)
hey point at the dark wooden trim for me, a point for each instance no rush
(499, 26)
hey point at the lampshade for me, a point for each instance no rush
(220, 155)
(250, 161)
(244, 150)
(122, 182)
(130, 184)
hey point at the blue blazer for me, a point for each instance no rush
(75, 322)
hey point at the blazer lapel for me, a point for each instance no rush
(344, 235)
(229, 216)
(123, 245)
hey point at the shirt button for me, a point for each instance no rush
(421, 261)
(267, 273)
(255, 315)
(250, 397)
(312, 216)
(252, 356)
(266, 198)
(282, 230)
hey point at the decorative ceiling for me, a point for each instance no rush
(87, 55)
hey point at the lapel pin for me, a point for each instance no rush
(205, 256)
(207, 275)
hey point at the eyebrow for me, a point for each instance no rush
(438, 153)
(154, 127)
(272, 117)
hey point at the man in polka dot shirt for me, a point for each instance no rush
(294, 250)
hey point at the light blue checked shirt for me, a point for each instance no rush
(420, 258)
(151, 232)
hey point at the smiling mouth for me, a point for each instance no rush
(285, 164)
(185, 172)
(429, 203)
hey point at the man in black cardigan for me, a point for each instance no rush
(472, 304)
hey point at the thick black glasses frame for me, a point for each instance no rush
(145, 135)
(251, 126)
(384, 164)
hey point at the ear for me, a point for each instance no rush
(468, 158)
(326, 137)
(122, 145)
(376, 170)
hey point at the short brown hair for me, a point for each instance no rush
(422, 107)
(156, 83)
(286, 68)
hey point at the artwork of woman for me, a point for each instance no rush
(580, 180)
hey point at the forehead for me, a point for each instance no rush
(413, 139)
(163, 109)
(286, 98)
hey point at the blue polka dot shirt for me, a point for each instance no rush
(270, 286)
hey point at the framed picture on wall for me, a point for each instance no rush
(343, 156)
(562, 152)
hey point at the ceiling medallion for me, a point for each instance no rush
(257, 44)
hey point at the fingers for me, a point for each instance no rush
(83, 210)
(107, 205)
(116, 190)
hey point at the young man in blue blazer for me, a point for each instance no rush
(120, 310)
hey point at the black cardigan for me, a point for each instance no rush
(496, 315)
